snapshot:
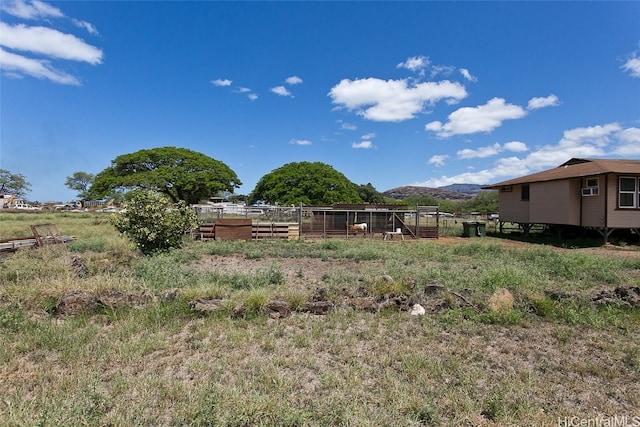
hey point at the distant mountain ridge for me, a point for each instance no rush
(449, 192)
(464, 188)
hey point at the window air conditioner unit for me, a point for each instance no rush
(590, 191)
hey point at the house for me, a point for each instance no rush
(601, 194)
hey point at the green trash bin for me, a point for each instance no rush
(469, 228)
(481, 229)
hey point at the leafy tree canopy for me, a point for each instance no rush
(14, 183)
(369, 194)
(305, 182)
(179, 173)
(80, 182)
(483, 202)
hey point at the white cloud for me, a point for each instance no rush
(392, 100)
(281, 90)
(481, 152)
(34, 9)
(491, 150)
(445, 70)
(467, 75)
(516, 146)
(19, 65)
(632, 65)
(579, 142)
(551, 156)
(415, 63)
(595, 135)
(49, 42)
(585, 142)
(363, 144)
(438, 160)
(347, 126)
(484, 118)
(293, 80)
(39, 45)
(86, 25)
(300, 142)
(221, 82)
(504, 167)
(629, 142)
(240, 89)
(369, 135)
(549, 101)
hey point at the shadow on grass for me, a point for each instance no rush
(572, 238)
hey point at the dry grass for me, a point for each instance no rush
(160, 363)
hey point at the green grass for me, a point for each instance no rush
(161, 363)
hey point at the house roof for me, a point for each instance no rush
(576, 168)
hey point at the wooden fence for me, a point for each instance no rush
(241, 229)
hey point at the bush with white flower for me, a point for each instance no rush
(153, 222)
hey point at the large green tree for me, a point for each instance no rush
(369, 194)
(483, 202)
(179, 173)
(80, 182)
(305, 182)
(14, 183)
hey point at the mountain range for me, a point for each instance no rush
(449, 192)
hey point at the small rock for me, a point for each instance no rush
(434, 287)
(279, 306)
(501, 301)
(417, 310)
(169, 294)
(206, 305)
(238, 311)
(363, 303)
(77, 302)
(78, 265)
(386, 278)
(319, 307)
(320, 294)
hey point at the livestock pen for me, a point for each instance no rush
(329, 221)
(339, 221)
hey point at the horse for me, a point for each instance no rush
(359, 227)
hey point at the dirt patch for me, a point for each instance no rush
(299, 273)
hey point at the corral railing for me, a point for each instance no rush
(421, 222)
(314, 221)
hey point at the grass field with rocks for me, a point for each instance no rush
(315, 332)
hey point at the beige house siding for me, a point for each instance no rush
(593, 207)
(619, 218)
(512, 208)
(555, 202)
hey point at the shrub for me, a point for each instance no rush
(153, 222)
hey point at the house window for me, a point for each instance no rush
(628, 192)
(524, 195)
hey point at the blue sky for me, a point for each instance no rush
(388, 93)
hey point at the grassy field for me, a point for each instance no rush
(98, 335)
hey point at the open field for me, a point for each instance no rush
(315, 332)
